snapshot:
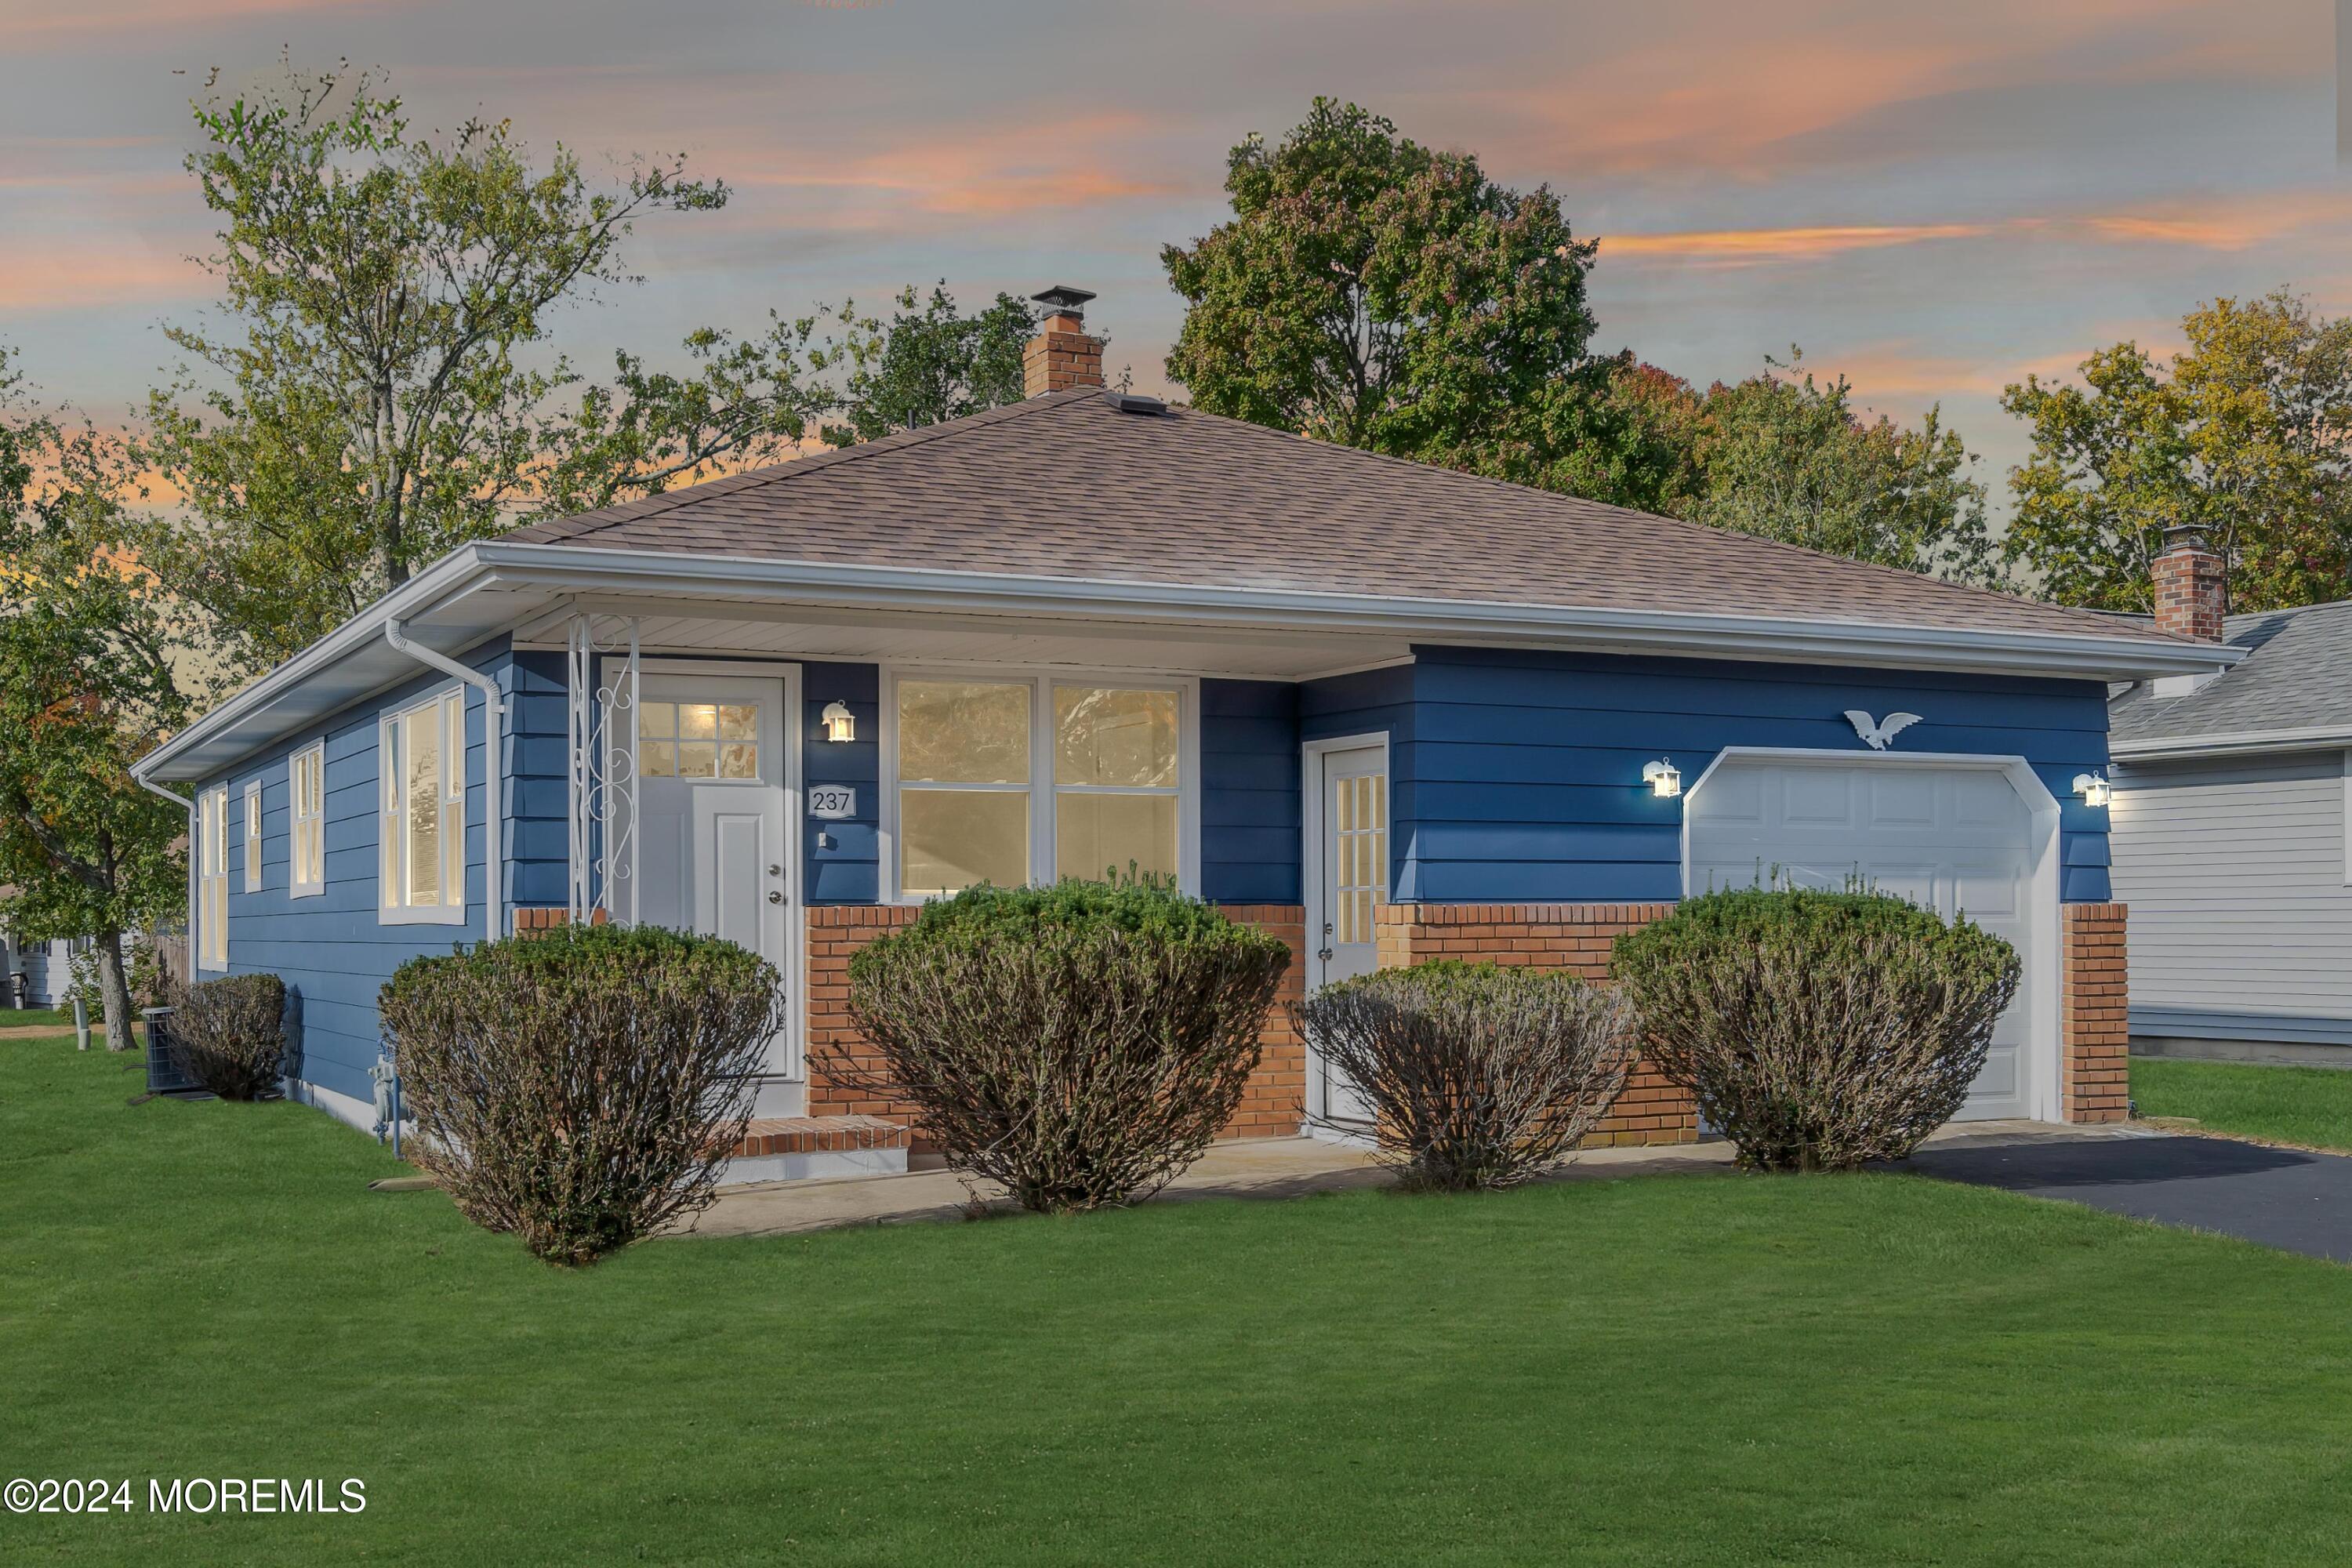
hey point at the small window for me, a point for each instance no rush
(1114, 782)
(422, 770)
(253, 836)
(307, 788)
(211, 879)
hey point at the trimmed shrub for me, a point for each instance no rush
(581, 1087)
(229, 1034)
(1476, 1075)
(1817, 1030)
(1080, 1043)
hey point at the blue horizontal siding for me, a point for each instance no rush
(1249, 791)
(847, 870)
(1519, 774)
(331, 948)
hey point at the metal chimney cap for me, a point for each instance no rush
(1062, 297)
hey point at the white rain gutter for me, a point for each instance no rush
(493, 741)
(2323, 738)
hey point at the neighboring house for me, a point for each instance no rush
(2229, 839)
(47, 966)
(1388, 711)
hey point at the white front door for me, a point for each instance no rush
(1349, 878)
(1955, 839)
(715, 856)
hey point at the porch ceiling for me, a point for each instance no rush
(867, 636)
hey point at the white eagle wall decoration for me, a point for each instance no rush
(1876, 734)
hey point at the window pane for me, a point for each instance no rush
(453, 852)
(739, 722)
(420, 749)
(697, 758)
(658, 718)
(1105, 736)
(952, 731)
(948, 839)
(661, 759)
(739, 760)
(1099, 836)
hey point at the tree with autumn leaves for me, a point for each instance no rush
(2246, 432)
(89, 680)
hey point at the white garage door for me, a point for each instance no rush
(1954, 839)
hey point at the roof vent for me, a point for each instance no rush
(1134, 403)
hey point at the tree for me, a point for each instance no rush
(1373, 292)
(87, 686)
(372, 399)
(1621, 431)
(1790, 459)
(928, 364)
(2244, 434)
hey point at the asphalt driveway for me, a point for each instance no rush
(2280, 1197)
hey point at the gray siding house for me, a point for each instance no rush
(2228, 828)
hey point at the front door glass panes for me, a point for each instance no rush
(1359, 852)
(700, 740)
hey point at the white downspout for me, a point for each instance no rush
(195, 848)
(493, 737)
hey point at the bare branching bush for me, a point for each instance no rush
(1817, 1030)
(1081, 1043)
(581, 1086)
(1473, 1074)
(229, 1034)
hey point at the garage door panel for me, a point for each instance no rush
(1902, 800)
(1825, 800)
(1951, 839)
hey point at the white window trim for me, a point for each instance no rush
(387, 728)
(212, 866)
(295, 888)
(249, 844)
(1040, 785)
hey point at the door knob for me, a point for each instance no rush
(775, 870)
(1325, 954)
(776, 895)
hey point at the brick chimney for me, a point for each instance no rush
(1061, 355)
(2191, 591)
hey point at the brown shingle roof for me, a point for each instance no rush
(1067, 486)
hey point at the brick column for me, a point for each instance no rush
(2095, 1069)
(1576, 938)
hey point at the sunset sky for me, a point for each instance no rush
(1933, 198)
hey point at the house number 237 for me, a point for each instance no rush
(831, 801)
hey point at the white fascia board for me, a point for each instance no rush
(2323, 737)
(2077, 656)
(578, 568)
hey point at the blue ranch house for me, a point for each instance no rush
(1390, 711)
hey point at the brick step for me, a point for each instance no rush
(819, 1134)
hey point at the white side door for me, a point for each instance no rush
(1957, 840)
(715, 856)
(1349, 878)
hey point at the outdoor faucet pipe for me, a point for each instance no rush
(493, 735)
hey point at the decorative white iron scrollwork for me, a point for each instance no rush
(602, 669)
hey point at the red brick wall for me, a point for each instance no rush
(1272, 1108)
(2094, 1071)
(1573, 937)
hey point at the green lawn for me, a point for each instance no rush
(1710, 1369)
(33, 1017)
(2310, 1105)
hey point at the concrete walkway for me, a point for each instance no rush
(2288, 1198)
(1267, 1168)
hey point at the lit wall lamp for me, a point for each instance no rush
(1666, 780)
(2094, 788)
(840, 724)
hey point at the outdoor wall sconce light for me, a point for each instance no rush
(2094, 788)
(1666, 780)
(840, 724)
